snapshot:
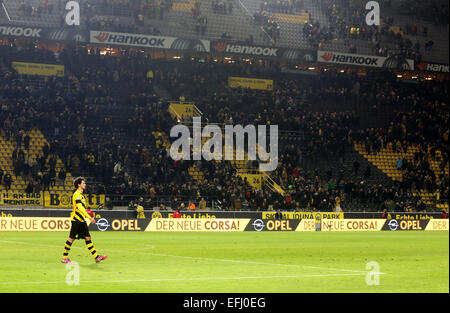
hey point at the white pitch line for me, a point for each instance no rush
(260, 263)
(178, 279)
(211, 259)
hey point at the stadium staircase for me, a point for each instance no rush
(254, 178)
(37, 141)
(179, 22)
(290, 24)
(180, 110)
(386, 158)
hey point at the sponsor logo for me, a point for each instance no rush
(156, 214)
(179, 224)
(130, 225)
(305, 215)
(437, 224)
(327, 56)
(433, 67)
(349, 59)
(364, 60)
(249, 50)
(422, 66)
(129, 39)
(20, 31)
(258, 225)
(34, 223)
(220, 47)
(67, 34)
(250, 83)
(142, 40)
(352, 224)
(20, 198)
(102, 36)
(393, 224)
(102, 224)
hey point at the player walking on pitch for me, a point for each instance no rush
(79, 228)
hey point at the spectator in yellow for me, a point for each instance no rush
(337, 206)
(140, 211)
(202, 204)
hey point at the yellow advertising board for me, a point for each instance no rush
(181, 109)
(35, 223)
(352, 224)
(197, 224)
(21, 198)
(306, 225)
(38, 69)
(254, 180)
(250, 83)
(64, 200)
(438, 224)
(304, 215)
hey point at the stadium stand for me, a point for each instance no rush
(325, 24)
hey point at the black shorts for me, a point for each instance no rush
(79, 230)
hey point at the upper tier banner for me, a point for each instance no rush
(148, 41)
(392, 62)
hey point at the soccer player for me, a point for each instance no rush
(79, 228)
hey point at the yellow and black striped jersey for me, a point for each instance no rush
(78, 207)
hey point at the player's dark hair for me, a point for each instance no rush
(78, 181)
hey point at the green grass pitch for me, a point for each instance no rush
(244, 262)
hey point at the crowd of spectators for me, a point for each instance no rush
(435, 11)
(269, 23)
(45, 7)
(93, 117)
(200, 19)
(137, 9)
(329, 132)
(112, 15)
(347, 22)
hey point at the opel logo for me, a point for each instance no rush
(393, 224)
(102, 224)
(258, 225)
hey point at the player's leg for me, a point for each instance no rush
(91, 249)
(90, 246)
(67, 246)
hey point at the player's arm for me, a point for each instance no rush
(82, 209)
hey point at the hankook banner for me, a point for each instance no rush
(148, 41)
(250, 50)
(432, 67)
(392, 62)
(43, 33)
